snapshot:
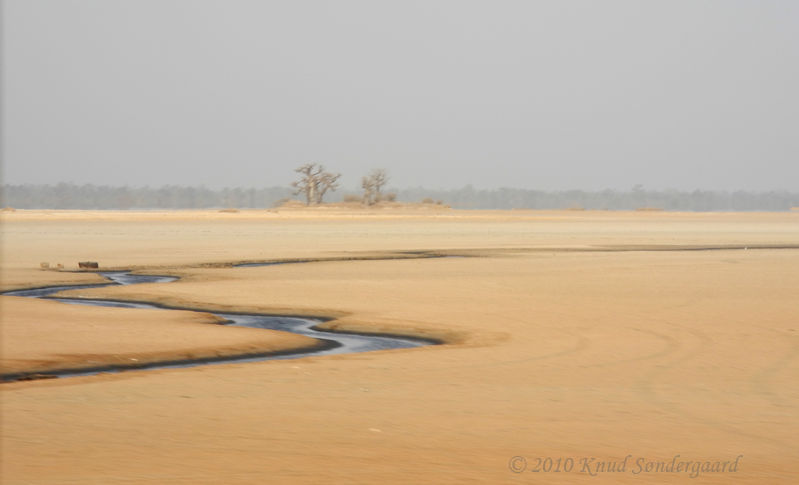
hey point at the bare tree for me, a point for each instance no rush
(327, 181)
(368, 190)
(307, 183)
(380, 179)
(373, 185)
(314, 182)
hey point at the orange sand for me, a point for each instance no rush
(553, 352)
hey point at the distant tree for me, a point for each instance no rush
(314, 182)
(327, 181)
(368, 190)
(373, 184)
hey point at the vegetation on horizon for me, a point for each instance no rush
(88, 196)
(373, 184)
(314, 182)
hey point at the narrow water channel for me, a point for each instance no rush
(332, 342)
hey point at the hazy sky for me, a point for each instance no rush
(529, 94)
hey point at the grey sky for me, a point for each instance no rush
(547, 95)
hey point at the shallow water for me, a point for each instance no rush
(334, 342)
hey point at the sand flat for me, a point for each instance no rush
(40, 336)
(553, 352)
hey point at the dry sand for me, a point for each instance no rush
(554, 351)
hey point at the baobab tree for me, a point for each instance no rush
(314, 182)
(373, 185)
(327, 181)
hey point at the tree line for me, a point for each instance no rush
(632, 199)
(88, 196)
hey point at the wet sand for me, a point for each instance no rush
(553, 351)
(43, 336)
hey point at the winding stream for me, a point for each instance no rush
(332, 342)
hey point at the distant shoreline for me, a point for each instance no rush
(95, 197)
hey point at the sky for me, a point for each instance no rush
(546, 95)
